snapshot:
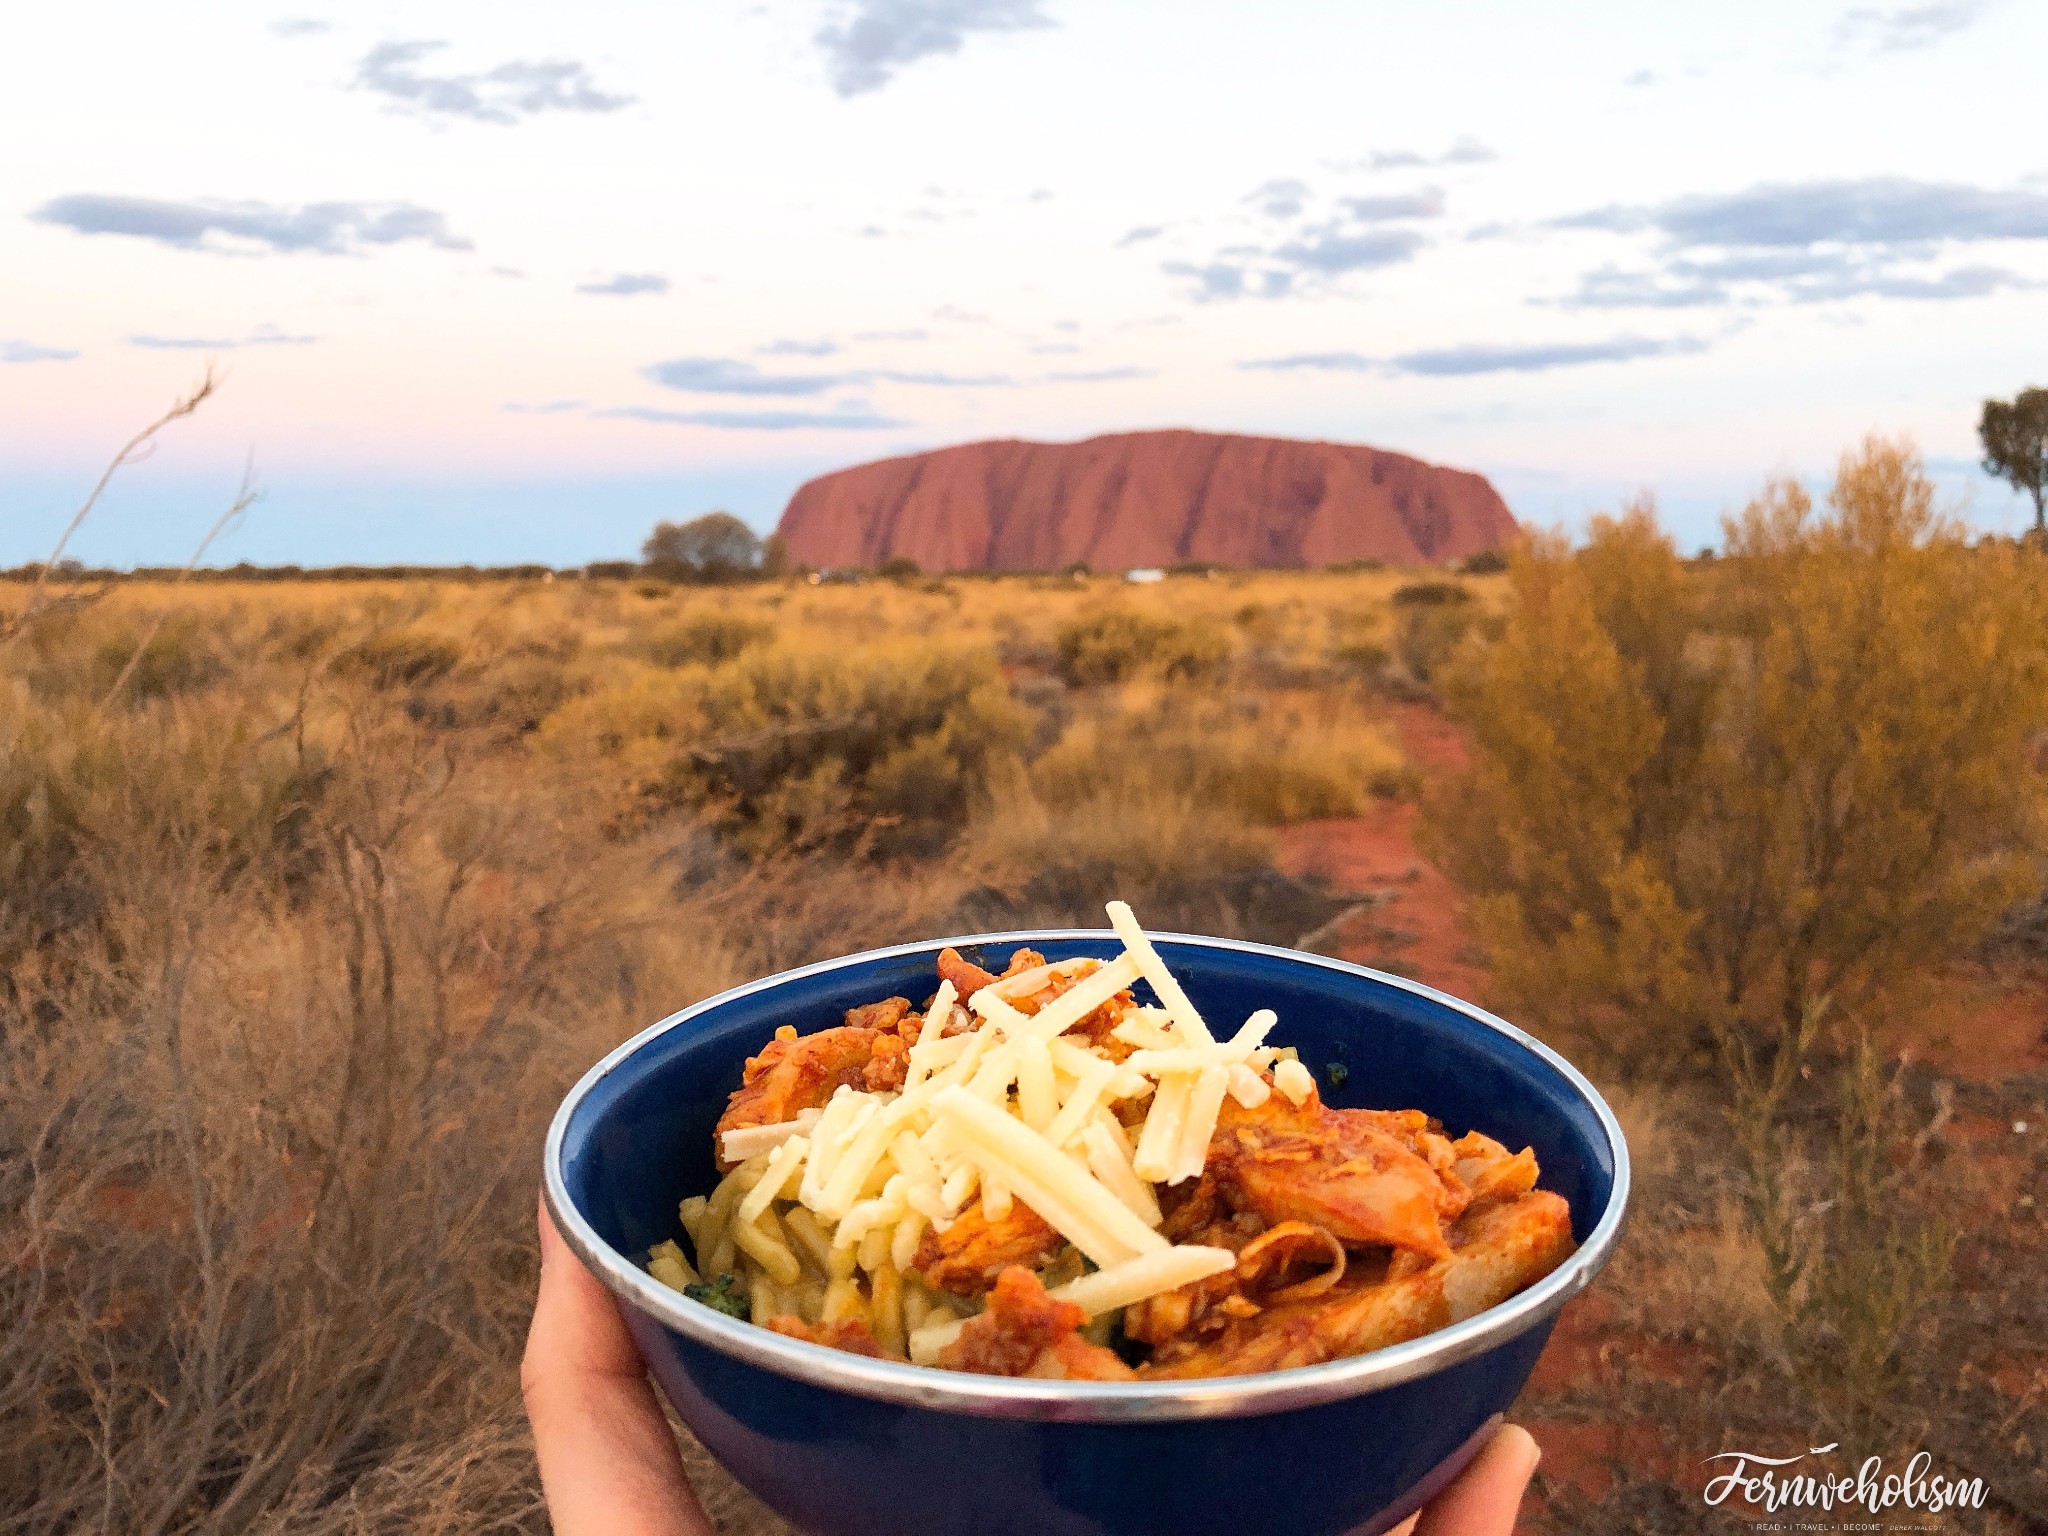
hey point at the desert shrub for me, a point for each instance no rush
(1354, 649)
(1431, 594)
(1700, 801)
(886, 747)
(268, 1115)
(1041, 860)
(899, 568)
(1364, 660)
(1430, 619)
(1248, 759)
(1117, 645)
(1488, 562)
(1851, 1262)
(399, 658)
(173, 654)
(704, 637)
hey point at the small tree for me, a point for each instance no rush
(714, 547)
(1703, 800)
(2015, 437)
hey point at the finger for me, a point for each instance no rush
(1484, 1498)
(608, 1460)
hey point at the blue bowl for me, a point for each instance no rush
(841, 1445)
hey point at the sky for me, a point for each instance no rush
(499, 284)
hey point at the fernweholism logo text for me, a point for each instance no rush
(1763, 1482)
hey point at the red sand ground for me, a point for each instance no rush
(1416, 928)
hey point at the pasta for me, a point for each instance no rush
(1038, 1174)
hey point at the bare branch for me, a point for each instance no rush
(245, 498)
(136, 448)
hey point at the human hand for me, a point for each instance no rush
(1483, 1499)
(608, 1461)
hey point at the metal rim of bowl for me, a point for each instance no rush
(1087, 1401)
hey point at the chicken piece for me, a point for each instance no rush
(967, 977)
(794, 1073)
(1348, 1171)
(1025, 1332)
(889, 1068)
(1292, 1261)
(851, 1334)
(967, 1257)
(1490, 1171)
(1094, 1028)
(1496, 1252)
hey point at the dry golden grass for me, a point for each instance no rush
(306, 926)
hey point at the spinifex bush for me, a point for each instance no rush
(1702, 799)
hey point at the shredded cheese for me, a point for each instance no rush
(736, 1146)
(1081, 1210)
(1154, 970)
(1295, 1082)
(1012, 1108)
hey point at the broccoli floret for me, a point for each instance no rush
(1337, 1073)
(722, 1295)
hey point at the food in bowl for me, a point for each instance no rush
(1035, 1174)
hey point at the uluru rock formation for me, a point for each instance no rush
(1145, 499)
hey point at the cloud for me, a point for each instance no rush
(1878, 210)
(1466, 151)
(1428, 203)
(788, 348)
(262, 336)
(909, 335)
(1908, 28)
(732, 376)
(18, 351)
(521, 88)
(1538, 358)
(1460, 361)
(754, 421)
(332, 229)
(940, 380)
(626, 283)
(1141, 234)
(1812, 242)
(1100, 375)
(1300, 242)
(1333, 251)
(729, 376)
(1336, 362)
(868, 41)
(542, 408)
(300, 26)
(1280, 199)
